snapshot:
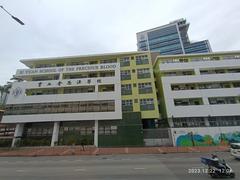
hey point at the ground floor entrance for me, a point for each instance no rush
(127, 131)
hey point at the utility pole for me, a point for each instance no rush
(15, 18)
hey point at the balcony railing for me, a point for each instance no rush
(127, 108)
(145, 90)
(144, 75)
(125, 63)
(147, 107)
(125, 77)
(127, 92)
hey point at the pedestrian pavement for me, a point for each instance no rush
(91, 150)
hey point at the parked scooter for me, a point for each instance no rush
(217, 168)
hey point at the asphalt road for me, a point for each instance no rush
(140, 167)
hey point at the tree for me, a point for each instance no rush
(83, 143)
(1, 96)
(4, 90)
(16, 79)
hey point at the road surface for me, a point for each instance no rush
(181, 166)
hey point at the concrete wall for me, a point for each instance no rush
(206, 109)
(18, 96)
(157, 137)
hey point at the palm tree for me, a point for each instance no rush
(4, 90)
(1, 93)
(16, 79)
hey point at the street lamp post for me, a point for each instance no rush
(15, 18)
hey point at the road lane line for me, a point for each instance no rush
(79, 169)
(139, 168)
(20, 170)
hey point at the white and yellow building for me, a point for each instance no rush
(199, 96)
(127, 99)
(61, 99)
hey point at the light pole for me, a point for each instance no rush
(15, 18)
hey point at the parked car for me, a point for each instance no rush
(235, 150)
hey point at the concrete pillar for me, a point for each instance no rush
(18, 133)
(205, 101)
(197, 71)
(96, 133)
(55, 133)
(206, 121)
(61, 76)
(170, 122)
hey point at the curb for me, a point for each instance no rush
(77, 150)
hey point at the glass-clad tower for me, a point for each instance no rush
(171, 39)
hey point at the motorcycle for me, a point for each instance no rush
(218, 168)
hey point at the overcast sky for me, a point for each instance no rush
(77, 27)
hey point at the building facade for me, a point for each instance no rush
(127, 99)
(199, 96)
(103, 100)
(171, 39)
(6, 130)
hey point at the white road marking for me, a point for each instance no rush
(79, 169)
(139, 168)
(20, 170)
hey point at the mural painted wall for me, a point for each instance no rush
(209, 136)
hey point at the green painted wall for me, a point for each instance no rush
(129, 131)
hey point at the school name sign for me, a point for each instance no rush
(67, 69)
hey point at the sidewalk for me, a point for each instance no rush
(90, 150)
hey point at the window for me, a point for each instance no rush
(177, 87)
(183, 60)
(232, 57)
(127, 105)
(89, 130)
(209, 85)
(147, 104)
(223, 100)
(125, 61)
(219, 71)
(142, 59)
(236, 70)
(107, 74)
(106, 88)
(107, 130)
(125, 75)
(45, 78)
(108, 61)
(224, 121)
(60, 64)
(113, 129)
(126, 89)
(143, 73)
(236, 84)
(44, 65)
(79, 89)
(144, 88)
(188, 102)
(189, 122)
(101, 130)
(179, 73)
(44, 129)
(67, 107)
